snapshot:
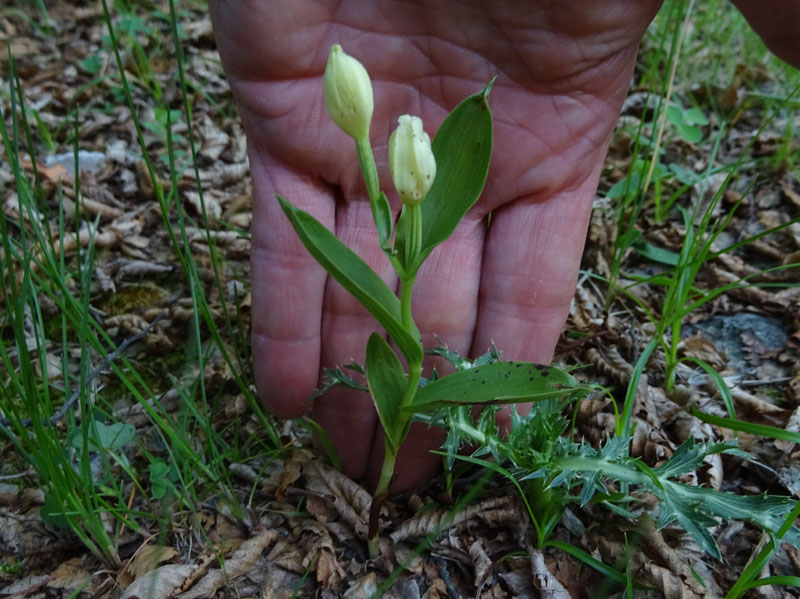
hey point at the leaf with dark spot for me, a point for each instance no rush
(500, 382)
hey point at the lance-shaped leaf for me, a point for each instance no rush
(500, 382)
(355, 276)
(387, 384)
(462, 148)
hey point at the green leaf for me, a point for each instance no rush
(383, 221)
(387, 384)
(115, 436)
(162, 477)
(605, 570)
(91, 64)
(689, 132)
(695, 116)
(52, 512)
(655, 253)
(674, 114)
(687, 458)
(500, 382)
(462, 147)
(763, 430)
(355, 276)
(694, 508)
(719, 383)
(632, 183)
(683, 174)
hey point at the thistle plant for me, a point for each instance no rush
(438, 182)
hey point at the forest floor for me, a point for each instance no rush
(281, 519)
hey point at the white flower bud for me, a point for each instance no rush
(411, 160)
(348, 93)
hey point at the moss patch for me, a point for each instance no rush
(131, 298)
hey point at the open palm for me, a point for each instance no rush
(562, 69)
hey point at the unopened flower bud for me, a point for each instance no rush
(348, 93)
(411, 160)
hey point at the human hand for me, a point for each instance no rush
(563, 70)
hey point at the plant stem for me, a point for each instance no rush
(387, 473)
(414, 368)
(412, 250)
(413, 247)
(406, 289)
(390, 455)
(368, 168)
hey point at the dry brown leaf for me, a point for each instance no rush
(209, 200)
(100, 238)
(793, 257)
(403, 589)
(494, 592)
(53, 174)
(750, 295)
(586, 310)
(347, 498)
(125, 268)
(544, 581)
(214, 139)
(650, 443)
(96, 199)
(281, 481)
(363, 587)
(148, 557)
(73, 577)
(238, 564)
(25, 586)
(670, 584)
(227, 173)
(789, 192)
(482, 565)
(436, 590)
(610, 362)
(25, 498)
(703, 349)
(160, 583)
(772, 413)
(494, 511)
(792, 425)
(793, 387)
(678, 576)
(286, 556)
(520, 583)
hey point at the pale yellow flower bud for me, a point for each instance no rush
(411, 160)
(348, 93)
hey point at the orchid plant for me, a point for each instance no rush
(438, 182)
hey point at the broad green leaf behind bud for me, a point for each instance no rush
(411, 160)
(348, 93)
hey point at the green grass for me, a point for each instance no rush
(90, 465)
(675, 67)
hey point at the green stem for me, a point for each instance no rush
(381, 211)
(406, 289)
(413, 246)
(387, 471)
(414, 373)
(413, 249)
(368, 168)
(414, 368)
(381, 491)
